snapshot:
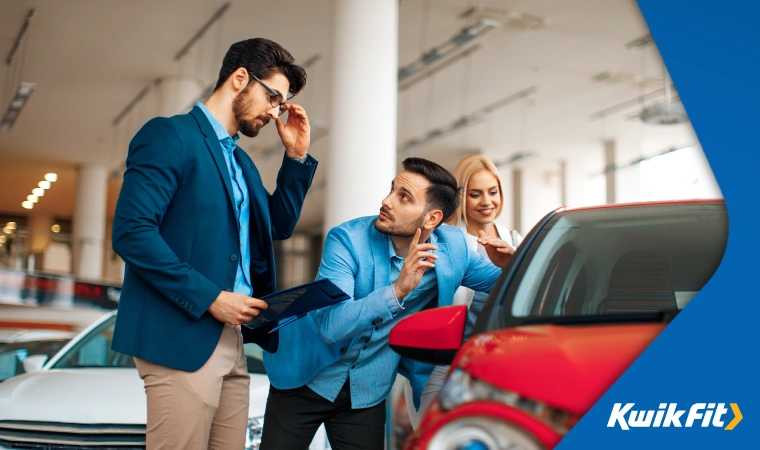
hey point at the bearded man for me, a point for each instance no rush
(334, 366)
(195, 225)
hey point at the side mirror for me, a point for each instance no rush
(34, 363)
(432, 336)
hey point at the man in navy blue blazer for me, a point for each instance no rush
(195, 225)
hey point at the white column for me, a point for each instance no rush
(609, 167)
(517, 209)
(89, 227)
(40, 227)
(175, 94)
(563, 183)
(506, 218)
(361, 159)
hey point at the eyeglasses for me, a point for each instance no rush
(275, 99)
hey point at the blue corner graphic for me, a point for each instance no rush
(709, 353)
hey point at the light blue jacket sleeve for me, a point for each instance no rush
(355, 316)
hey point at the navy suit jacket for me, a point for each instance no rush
(176, 230)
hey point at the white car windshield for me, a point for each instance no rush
(12, 355)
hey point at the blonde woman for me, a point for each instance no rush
(480, 205)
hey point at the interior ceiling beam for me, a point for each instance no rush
(20, 37)
(218, 15)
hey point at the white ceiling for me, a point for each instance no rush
(90, 58)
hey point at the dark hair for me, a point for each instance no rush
(443, 193)
(262, 57)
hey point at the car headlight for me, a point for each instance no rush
(462, 388)
(482, 433)
(253, 433)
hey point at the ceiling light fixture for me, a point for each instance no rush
(38, 192)
(636, 161)
(51, 177)
(409, 82)
(24, 90)
(27, 205)
(466, 120)
(514, 158)
(56, 228)
(666, 112)
(11, 225)
(32, 198)
(505, 18)
(449, 47)
(614, 77)
(44, 184)
(18, 102)
(20, 37)
(218, 15)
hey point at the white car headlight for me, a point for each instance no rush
(253, 433)
(482, 433)
(462, 388)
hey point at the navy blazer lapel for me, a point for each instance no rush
(217, 152)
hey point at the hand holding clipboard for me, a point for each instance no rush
(292, 304)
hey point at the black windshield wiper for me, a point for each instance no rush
(655, 316)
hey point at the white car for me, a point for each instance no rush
(88, 396)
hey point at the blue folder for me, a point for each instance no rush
(292, 304)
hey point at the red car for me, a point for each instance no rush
(585, 293)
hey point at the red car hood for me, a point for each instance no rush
(568, 367)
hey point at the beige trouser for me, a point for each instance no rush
(205, 409)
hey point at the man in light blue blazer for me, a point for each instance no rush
(335, 366)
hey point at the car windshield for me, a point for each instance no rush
(12, 355)
(623, 262)
(94, 350)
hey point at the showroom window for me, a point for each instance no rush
(679, 175)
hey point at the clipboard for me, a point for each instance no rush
(285, 307)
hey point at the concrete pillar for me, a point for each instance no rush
(609, 170)
(41, 232)
(315, 250)
(506, 218)
(89, 225)
(563, 183)
(517, 200)
(361, 159)
(175, 94)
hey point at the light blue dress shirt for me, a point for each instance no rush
(364, 359)
(242, 202)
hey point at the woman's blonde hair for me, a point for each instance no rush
(466, 168)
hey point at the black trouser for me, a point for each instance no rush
(293, 417)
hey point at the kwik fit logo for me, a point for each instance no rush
(668, 415)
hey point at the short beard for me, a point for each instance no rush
(403, 231)
(239, 110)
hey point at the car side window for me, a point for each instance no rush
(9, 362)
(94, 350)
